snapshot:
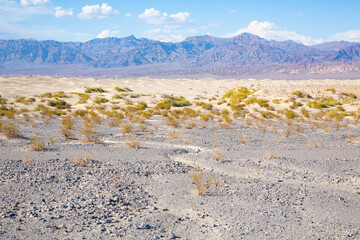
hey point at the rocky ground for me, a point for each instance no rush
(267, 189)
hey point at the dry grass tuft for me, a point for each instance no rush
(81, 161)
(66, 125)
(201, 184)
(313, 143)
(26, 158)
(126, 128)
(244, 138)
(117, 179)
(133, 142)
(10, 130)
(218, 155)
(89, 133)
(216, 182)
(271, 154)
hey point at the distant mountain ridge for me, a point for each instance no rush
(200, 52)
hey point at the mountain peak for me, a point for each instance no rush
(247, 35)
(205, 37)
(131, 37)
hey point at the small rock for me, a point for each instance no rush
(143, 226)
(171, 235)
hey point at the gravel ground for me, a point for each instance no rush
(269, 186)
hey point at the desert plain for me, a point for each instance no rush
(145, 158)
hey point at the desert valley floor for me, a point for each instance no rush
(179, 158)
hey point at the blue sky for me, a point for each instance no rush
(308, 22)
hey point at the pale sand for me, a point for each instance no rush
(11, 87)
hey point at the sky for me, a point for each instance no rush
(308, 22)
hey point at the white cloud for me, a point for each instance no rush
(174, 27)
(269, 30)
(152, 16)
(107, 33)
(128, 15)
(26, 3)
(97, 11)
(170, 34)
(233, 11)
(351, 36)
(60, 12)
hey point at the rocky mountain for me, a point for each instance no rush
(204, 53)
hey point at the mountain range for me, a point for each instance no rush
(245, 53)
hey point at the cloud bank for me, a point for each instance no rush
(108, 33)
(26, 3)
(270, 30)
(172, 27)
(351, 36)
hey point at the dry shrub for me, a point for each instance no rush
(126, 128)
(201, 184)
(26, 158)
(81, 161)
(243, 138)
(36, 144)
(190, 125)
(10, 130)
(170, 121)
(173, 135)
(218, 155)
(313, 143)
(53, 140)
(148, 136)
(132, 142)
(216, 182)
(271, 154)
(66, 125)
(117, 179)
(89, 133)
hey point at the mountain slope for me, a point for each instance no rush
(200, 52)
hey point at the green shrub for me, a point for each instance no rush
(334, 114)
(2, 100)
(118, 89)
(80, 113)
(83, 98)
(304, 112)
(260, 101)
(323, 103)
(100, 100)
(298, 94)
(91, 90)
(176, 101)
(116, 96)
(41, 107)
(330, 90)
(163, 105)
(141, 106)
(237, 95)
(59, 104)
(289, 114)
